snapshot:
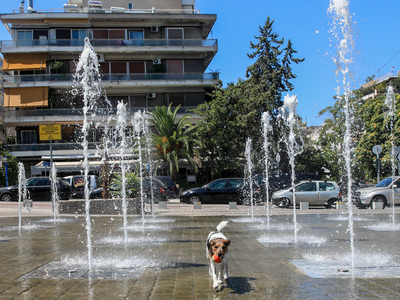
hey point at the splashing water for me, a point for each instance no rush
(54, 192)
(87, 77)
(121, 127)
(138, 121)
(294, 144)
(267, 130)
(390, 103)
(22, 192)
(250, 173)
(342, 31)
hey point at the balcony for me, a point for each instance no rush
(114, 80)
(115, 46)
(34, 117)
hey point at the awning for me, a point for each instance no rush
(26, 97)
(14, 62)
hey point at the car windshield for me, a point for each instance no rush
(385, 182)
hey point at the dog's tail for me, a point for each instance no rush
(221, 226)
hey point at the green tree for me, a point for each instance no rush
(234, 113)
(132, 185)
(12, 166)
(173, 139)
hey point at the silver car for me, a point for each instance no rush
(382, 192)
(316, 192)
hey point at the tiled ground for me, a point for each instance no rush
(165, 257)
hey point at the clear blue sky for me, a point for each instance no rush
(307, 24)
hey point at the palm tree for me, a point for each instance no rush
(174, 140)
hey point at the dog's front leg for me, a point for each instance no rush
(226, 270)
(214, 274)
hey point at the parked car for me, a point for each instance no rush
(158, 187)
(39, 188)
(172, 189)
(77, 183)
(381, 192)
(315, 192)
(280, 181)
(219, 191)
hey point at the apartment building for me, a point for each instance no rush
(151, 53)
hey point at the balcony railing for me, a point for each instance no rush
(79, 111)
(111, 77)
(46, 146)
(113, 10)
(109, 43)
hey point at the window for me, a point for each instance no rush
(235, 183)
(307, 187)
(25, 35)
(32, 182)
(219, 184)
(40, 34)
(78, 34)
(136, 34)
(28, 136)
(136, 67)
(45, 182)
(175, 66)
(176, 99)
(116, 34)
(326, 186)
(138, 101)
(175, 33)
(130, 5)
(118, 68)
(63, 34)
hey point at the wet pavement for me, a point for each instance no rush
(163, 256)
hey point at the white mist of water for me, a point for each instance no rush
(121, 129)
(138, 120)
(267, 130)
(54, 192)
(342, 31)
(87, 77)
(149, 158)
(22, 192)
(390, 103)
(294, 144)
(250, 173)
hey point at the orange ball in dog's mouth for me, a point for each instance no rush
(216, 258)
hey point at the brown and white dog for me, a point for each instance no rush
(217, 254)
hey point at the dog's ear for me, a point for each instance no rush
(226, 242)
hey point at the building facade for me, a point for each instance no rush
(151, 53)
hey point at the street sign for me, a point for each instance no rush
(398, 157)
(377, 149)
(50, 132)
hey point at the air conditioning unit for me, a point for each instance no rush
(151, 95)
(157, 61)
(154, 28)
(100, 57)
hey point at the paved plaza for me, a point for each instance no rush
(163, 255)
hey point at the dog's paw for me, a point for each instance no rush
(226, 278)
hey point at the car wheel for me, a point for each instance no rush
(331, 203)
(7, 197)
(194, 198)
(284, 203)
(379, 198)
